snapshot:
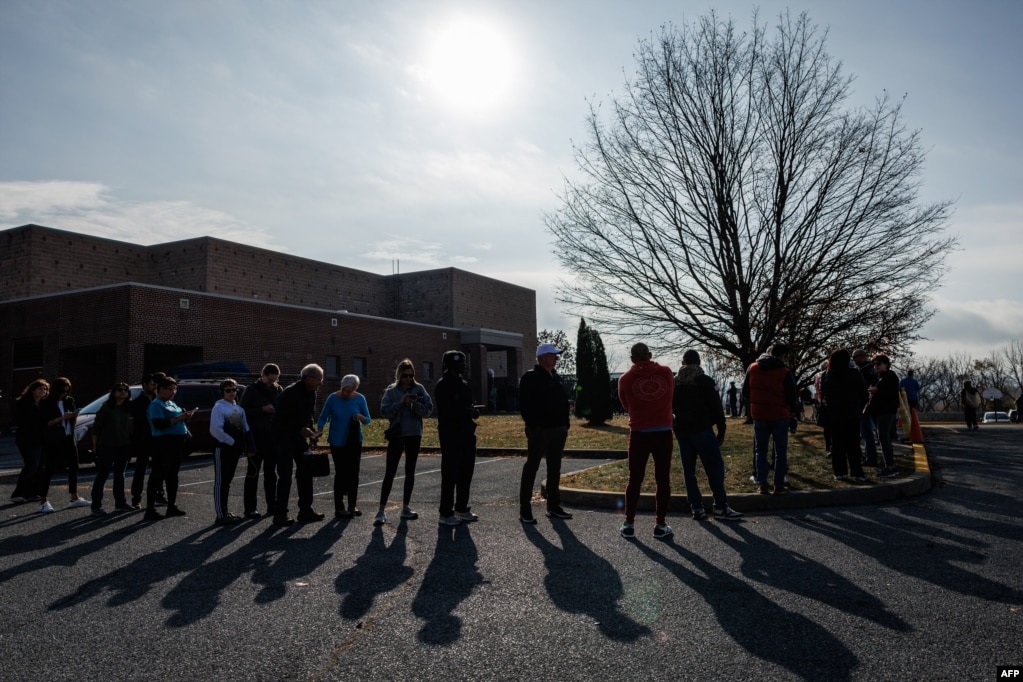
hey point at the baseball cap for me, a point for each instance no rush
(545, 348)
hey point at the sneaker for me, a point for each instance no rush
(161, 499)
(627, 530)
(840, 478)
(725, 512)
(466, 516)
(152, 515)
(753, 480)
(283, 521)
(253, 515)
(18, 499)
(527, 519)
(781, 491)
(172, 510)
(450, 520)
(861, 479)
(407, 513)
(308, 515)
(765, 490)
(99, 511)
(79, 502)
(699, 513)
(889, 473)
(124, 506)
(663, 530)
(136, 503)
(342, 514)
(380, 519)
(558, 513)
(46, 508)
(354, 512)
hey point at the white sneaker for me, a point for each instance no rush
(450, 520)
(407, 513)
(80, 502)
(380, 519)
(467, 516)
(46, 508)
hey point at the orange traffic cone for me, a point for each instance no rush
(916, 434)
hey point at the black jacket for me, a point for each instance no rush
(845, 393)
(294, 410)
(452, 398)
(254, 399)
(696, 403)
(543, 400)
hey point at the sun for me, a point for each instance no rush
(470, 65)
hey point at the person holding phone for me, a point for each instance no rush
(168, 423)
(405, 403)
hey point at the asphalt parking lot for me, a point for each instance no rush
(924, 588)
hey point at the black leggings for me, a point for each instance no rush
(166, 462)
(410, 445)
(347, 459)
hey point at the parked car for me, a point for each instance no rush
(1014, 416)
(191, 393)
(995, 417)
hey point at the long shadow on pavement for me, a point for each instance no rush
(379, 570)
(449, 580)
(764, 561)
(762, 627)
(597, 595)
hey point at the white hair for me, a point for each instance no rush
(350, 380)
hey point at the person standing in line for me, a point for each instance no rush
(260, 402)
(60, 453)
(770, 391)
(456, 429)
(230, 429)
(168, 423)
(970, 399)
(697, 410)
(543, 402)
(168, 446)
(883, 407)
(733, 399)
(111, 440)
(405, 403)
(867, 423)
(30, 422)
(646, 391)
(911, 386)
(844, 393)
(346, 411)
(293, 431)
(142, 438)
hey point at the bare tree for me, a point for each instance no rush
(1012, 356)
(730, 200)
(566, 363)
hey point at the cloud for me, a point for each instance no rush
(93, 208)
(977, 326)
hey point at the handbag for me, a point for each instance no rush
(316, 463)
(393, 432)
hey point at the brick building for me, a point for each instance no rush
(98, 310)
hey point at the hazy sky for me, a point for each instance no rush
(438, 133)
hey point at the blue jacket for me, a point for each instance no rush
(339, 412)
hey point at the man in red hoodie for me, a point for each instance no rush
(646, 391)
(770, 392)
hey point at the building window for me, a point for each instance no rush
(332, 368)
(359, 368)
(426, 374)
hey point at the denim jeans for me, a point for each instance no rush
(885, 423)
(702, 444)
(869, 446)
(763, 431)
(109, 458)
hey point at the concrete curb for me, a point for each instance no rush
(913, 485)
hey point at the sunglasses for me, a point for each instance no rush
(230, 390)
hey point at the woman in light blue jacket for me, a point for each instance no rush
(347, 411)
(405, 403)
